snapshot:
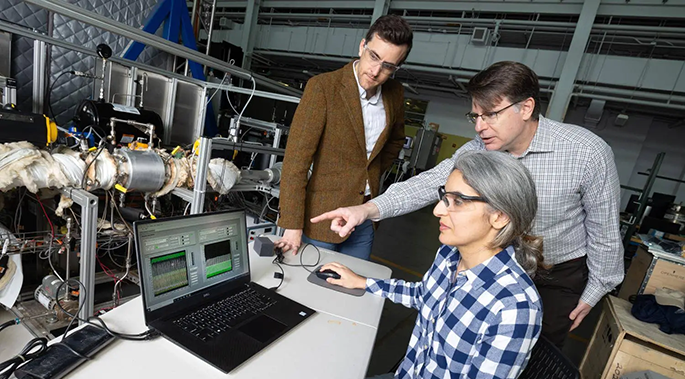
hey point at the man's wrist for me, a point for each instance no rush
(371, 211)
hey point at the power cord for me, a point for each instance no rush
(9, 323)
(144, 336)
(280, 260)
(8, 367)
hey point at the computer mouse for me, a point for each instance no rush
(325, 274)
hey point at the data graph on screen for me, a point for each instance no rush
(169, 272)
(218, 258)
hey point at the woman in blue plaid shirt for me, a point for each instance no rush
(479, 312)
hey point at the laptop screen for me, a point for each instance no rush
(181, 256)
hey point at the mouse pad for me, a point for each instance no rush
(312, 278)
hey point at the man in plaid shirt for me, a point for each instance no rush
(479, 312)
(576, 182)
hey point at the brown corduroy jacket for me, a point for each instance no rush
(328, 131)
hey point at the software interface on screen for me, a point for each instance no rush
(182, 256)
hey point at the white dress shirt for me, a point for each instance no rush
(373, 113)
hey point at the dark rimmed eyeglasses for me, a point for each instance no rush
(488, 117)
(386, 67)
(457, 198)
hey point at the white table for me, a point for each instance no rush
(334, 343)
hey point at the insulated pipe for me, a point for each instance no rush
(97, 20)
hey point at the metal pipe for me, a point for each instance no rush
(630, 93)
(39, 76)
(629, 101)
(211, 26)
(201, 176)
(127, 63)
(192, 19)
(97, 20)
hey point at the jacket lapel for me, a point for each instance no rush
(349, 94)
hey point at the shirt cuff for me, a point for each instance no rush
(384, 207)
(373, 286)
(593, 293)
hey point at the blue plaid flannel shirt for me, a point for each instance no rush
(481, 325)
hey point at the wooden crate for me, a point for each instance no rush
(622, 344)
(650, 270)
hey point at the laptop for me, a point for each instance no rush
(196, 288)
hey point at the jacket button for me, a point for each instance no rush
(361, 192)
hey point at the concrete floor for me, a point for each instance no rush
(408, 245)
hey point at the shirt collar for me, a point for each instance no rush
(487, 270)
(542, 140)
(362, 92)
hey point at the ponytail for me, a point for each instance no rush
(528, 253)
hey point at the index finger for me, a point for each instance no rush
(325, 216)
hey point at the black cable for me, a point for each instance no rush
(85, 172)
(8, 367)
(279, 260)
(9, 323)
(48, 96)
(146, 335)
(304, 266)
(282, 275)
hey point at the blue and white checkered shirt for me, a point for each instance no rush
(478, 323)
(578, 199)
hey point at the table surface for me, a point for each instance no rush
(334, 343)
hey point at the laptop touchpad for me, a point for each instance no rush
(262, 328)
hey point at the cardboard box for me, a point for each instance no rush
(650, 270)
(622, 345)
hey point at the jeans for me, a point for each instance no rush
(358, 244)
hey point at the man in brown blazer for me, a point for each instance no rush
(350, 126)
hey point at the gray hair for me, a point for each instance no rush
(509, 188)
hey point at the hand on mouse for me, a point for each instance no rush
(348, 278)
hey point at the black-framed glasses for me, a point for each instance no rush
(488, 117)
(386, 67)
(456, 198)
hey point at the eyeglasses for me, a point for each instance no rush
(488, 117)
(456, 199)
(386, 67)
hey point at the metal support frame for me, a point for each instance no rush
(97, 20)
(644, 196)
(278, 133)
(380, 8)
(211, 27)
(248, 37)
(562, 93)
(40, 61)
(89, 224)
(225, 144)
(201, 176)
(169, 116)
(183, 193)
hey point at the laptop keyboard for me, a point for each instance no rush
(208, 322)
